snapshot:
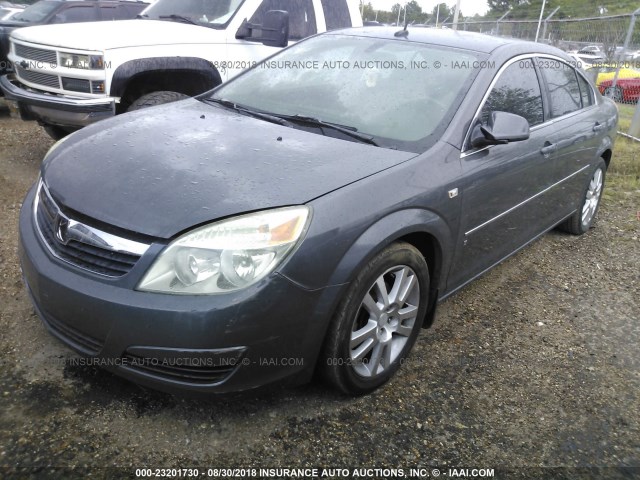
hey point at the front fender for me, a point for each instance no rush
(128, 70)
(323, 261)
(393, 227)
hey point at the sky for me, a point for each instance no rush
(467, 7)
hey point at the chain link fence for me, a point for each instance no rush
(607, 48)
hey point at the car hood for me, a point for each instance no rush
(101, 36)
(167, 169)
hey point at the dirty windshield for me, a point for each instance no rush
(400, 94)
(211, 13)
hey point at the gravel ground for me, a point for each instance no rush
(534, 365)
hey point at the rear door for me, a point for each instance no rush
(578, 129)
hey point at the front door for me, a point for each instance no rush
(505, 188)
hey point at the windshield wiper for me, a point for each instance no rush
(180, 18)
(316, 122)
(289, 120)
(247, 111)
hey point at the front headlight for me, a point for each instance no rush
(227, 255)
(85, 62)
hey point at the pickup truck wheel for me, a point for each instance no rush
(156, 98)
(57, 133)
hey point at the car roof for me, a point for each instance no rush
(99, 1)
(451, 38)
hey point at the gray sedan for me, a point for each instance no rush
(308, 216)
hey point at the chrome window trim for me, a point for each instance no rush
(86, 234)
(465, 153)
(506, 212)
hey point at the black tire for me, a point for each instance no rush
(55, 132)
(156, 98)
(575, 224)
(397, 264)
(615, 95)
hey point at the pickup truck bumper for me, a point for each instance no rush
(70, 113)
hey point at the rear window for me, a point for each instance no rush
(564, 92)
(336, 13)
(586, 94)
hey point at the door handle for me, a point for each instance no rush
(548, 149)
(599, 127)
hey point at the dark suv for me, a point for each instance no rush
(48, 12)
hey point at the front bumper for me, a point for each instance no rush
(211, 344)
(53, 109)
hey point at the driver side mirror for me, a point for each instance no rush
(502, 128)
(274, 30)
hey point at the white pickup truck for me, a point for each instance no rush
(69, 76)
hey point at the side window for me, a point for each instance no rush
(517, 91)
(564, 92)
(585, 92)
(109, 13)
(336, 13)
(128, 11)
(76, 14)
(302, 18)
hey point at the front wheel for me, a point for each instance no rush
(378, 321)
(55, 132)
(156, 98)
(582, 220)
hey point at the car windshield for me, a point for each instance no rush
(402, 94)
(211, 13)
(36, 12)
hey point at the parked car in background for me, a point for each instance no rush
(627, 87)
(589, 54)
(48, 12)
(278, 225)
(180, 48)
(7, 10)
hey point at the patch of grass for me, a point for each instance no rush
(626, 114)
(624, 172)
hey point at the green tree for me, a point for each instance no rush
(442, 11)
(368, 13)
(414, 12)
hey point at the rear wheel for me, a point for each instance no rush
(378, 321)
(582, 220)
(156, 98)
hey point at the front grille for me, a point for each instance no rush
(37, 54)
(44, 79)
(103, 261)
(168, 369)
